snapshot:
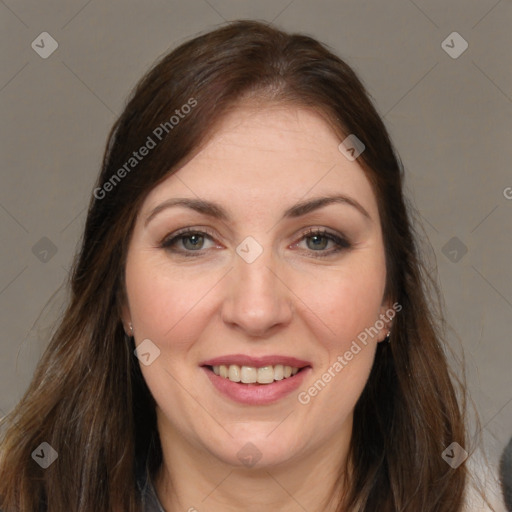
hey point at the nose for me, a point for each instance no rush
(257, 301)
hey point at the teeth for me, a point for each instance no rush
(265, 375)
(234, 373)
(252, 375)
(278, 372)
(249, 374)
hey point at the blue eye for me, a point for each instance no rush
(189, 242)
(320, 238)
(196, 241)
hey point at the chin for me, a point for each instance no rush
(256, 449)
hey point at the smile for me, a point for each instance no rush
(256, 393)
(252, 375)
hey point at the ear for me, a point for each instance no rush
(123, 309)
(387, 312)
(126, 318)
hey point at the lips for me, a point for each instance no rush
(256, 393)
(256, 362)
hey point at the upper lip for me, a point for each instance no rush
(244, 360)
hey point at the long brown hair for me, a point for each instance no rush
(88, 398)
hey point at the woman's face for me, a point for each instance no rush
(268, 277)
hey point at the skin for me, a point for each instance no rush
(258, 163)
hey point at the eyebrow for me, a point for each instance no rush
(218, 212)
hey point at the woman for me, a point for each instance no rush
(249, 325)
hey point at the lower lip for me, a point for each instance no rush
(257, 394)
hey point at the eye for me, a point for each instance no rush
(187, 241)
(317, 241)
(191, 242)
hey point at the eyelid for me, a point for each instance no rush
(187, 231)
(342, 242)
(323, 231)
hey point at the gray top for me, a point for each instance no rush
(150, 501)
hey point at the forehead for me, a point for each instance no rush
(275, 134)
(270, 156)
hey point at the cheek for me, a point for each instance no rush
(167, 306)
(346, 351)
(167, 303)
(345, 303)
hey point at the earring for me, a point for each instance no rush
(131, 328)
(388, 336)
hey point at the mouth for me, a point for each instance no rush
(263, 375)
(256, 381)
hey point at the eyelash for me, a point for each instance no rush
(341, 243)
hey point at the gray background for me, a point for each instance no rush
(450, 119)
